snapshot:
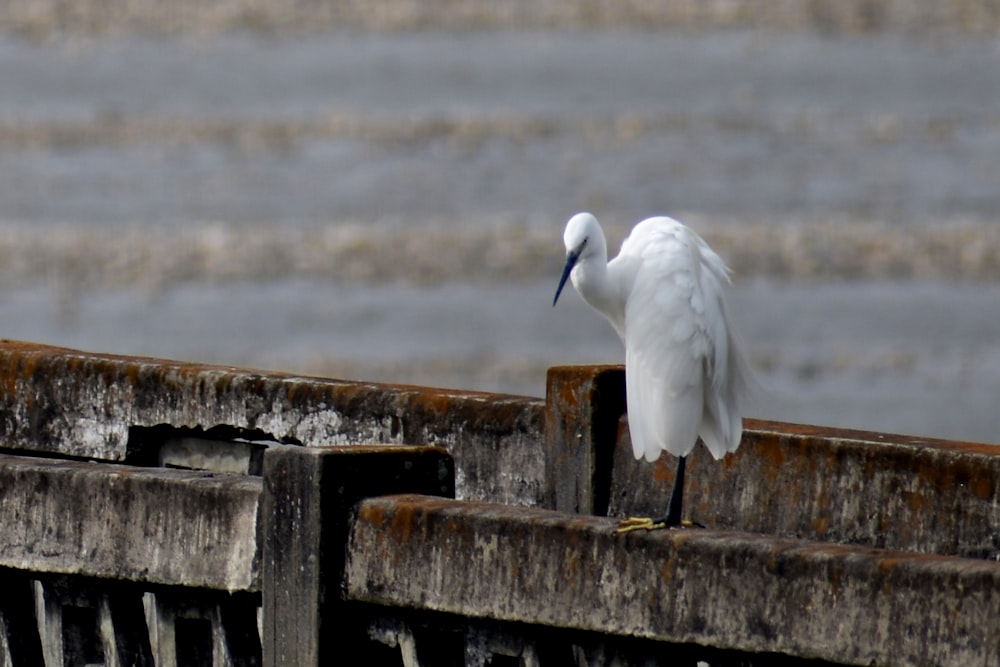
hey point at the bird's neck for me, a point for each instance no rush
(592, 281)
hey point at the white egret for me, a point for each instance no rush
(685, 375)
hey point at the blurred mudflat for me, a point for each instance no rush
(460, 129)
(918, 358)
(387, 204)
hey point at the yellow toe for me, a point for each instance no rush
(637, 523)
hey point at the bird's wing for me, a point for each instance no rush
(722, 423)
(730, 379)
(667, 339)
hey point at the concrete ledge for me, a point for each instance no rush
(789, 480)
(82, 404)
(834, 485)
(153, 525)
(852, 605)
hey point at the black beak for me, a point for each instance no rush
(571, 258)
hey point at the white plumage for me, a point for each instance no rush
(663, 294)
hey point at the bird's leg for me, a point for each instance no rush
(673, 517)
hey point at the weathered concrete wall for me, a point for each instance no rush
(79, 404)
(852, 547)
(115, 565)
(120, 522)
(308, 496)
(830, 485)
(850, 605)
(833, 485)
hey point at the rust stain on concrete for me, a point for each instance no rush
(373, 514)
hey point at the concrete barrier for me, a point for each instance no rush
(162, 513)
(790, 480)
(747, 592)
(112, 408)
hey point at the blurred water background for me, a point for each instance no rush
(378, 191)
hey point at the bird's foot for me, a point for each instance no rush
(647, 523)
(638, 523)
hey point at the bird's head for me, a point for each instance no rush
(582, 238)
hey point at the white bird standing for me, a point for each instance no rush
(684, 373)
